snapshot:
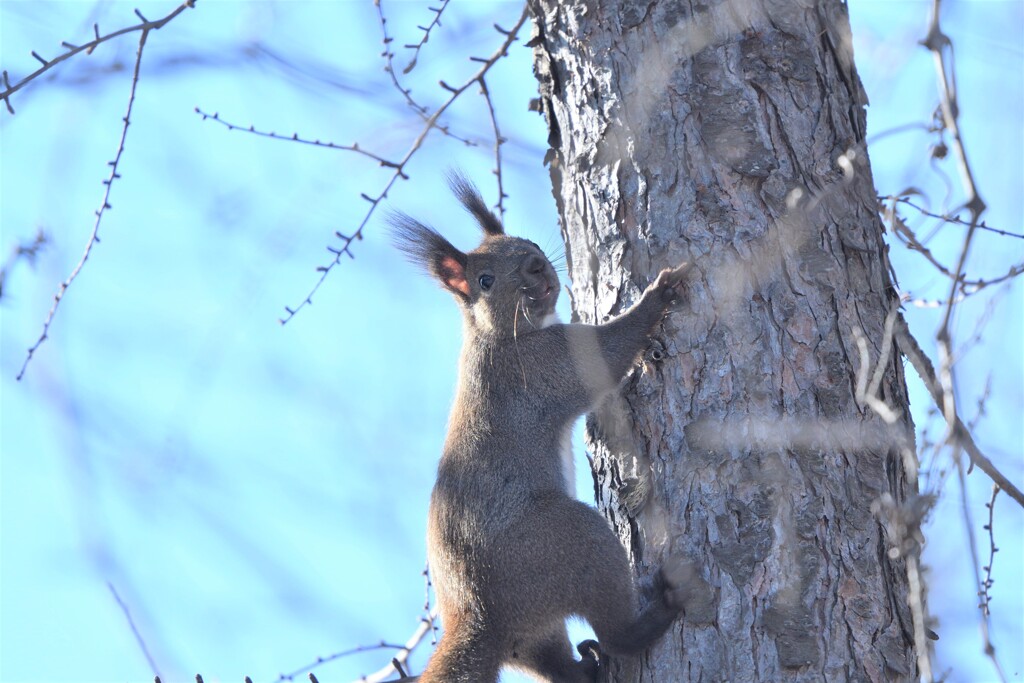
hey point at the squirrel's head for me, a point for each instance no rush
(506, 286)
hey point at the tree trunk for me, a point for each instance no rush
(732, 135)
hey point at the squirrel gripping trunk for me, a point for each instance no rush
(512, 553)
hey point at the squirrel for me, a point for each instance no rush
(512, 552)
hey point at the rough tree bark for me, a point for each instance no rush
(731, 134)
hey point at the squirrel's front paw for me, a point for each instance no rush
(670, 282)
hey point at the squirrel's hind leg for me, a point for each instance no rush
(567, 561)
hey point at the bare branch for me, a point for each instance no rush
(436, 21)
(912, 350)
(320, 661)
(389, 67)
(992, 550)
(427, 625)
(397, 664)
(109, 182)
(965, 508)
(967, 287)
(73, 50)
(428, 612)
(939, 44)
(135, 631)
(429, 124)
(295, 137)
(947, 218)
(498, 142)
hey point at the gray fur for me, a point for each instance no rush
(512, 553)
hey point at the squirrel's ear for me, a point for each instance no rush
(452, 273)
(426, 248)
(470, 197)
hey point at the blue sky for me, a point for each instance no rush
(255, 493)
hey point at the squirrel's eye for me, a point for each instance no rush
(486, 281)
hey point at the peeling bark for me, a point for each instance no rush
(731, 134)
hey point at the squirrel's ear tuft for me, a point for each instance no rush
(469, 195)
(426, 248)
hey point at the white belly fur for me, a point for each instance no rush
(565, 440)
(568, 464)
(549, 320)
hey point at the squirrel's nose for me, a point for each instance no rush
(535, 264)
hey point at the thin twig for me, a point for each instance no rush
(87, 48)
(135, 631)
(939, 44)
(947, 218)
(986, 599)
(436, 21)
(912, 350)
(965, 508)
(398, 662)
(320, 661)
(399, 171)
(980, 324)
(967, 287)
(427, 610)
(389, 66)
(395, 666)
(498, 142)
(109, 182)
(295, 137)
